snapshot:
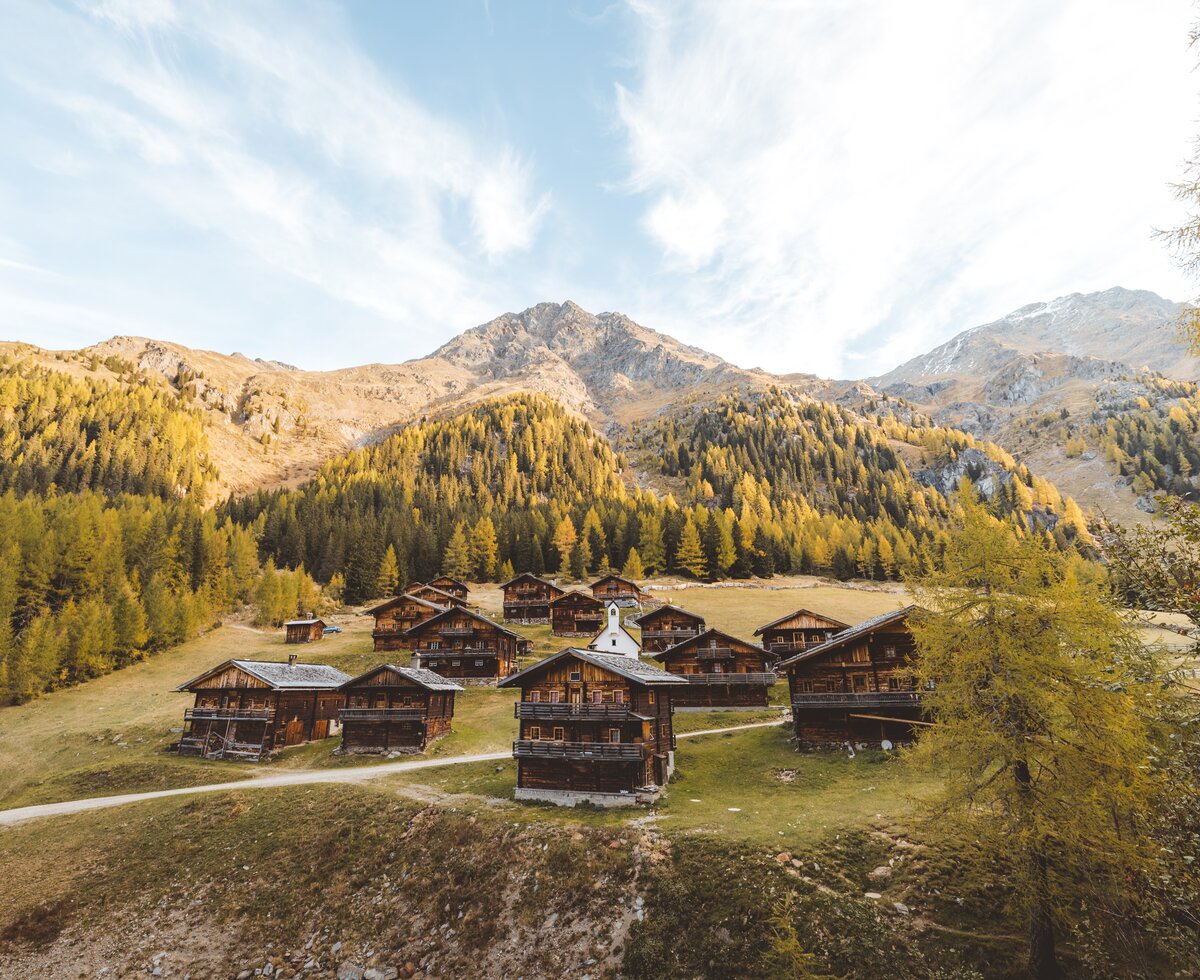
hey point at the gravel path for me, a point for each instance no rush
(297, 777)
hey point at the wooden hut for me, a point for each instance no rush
(462, 644)
(576, 613)
(304, 630)
(394, 618)
(451, 585)
(613, 588)
(527, 599)
(721, 671)
(857, 687)
(667, 625)
(396, 709)
(797, 631)
(593, 727)
(247, 708)
(431, 593)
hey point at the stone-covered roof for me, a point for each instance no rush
(529, 575)
(388, 603)
(666, 607)
(635, 670)
(700, 639)
(462, 610)
(304, 622)
(428, 679)
(851, 634)
(281, 676)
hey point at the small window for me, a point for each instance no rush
(558, 735)
(665, 730)
(535, 696)
(433, 663)
(717, 669)
(889, 652)
(456, 663)
(535, 732)
(555, 697)
(614, 735)
(806, 686)
(576, 675)
(618, 697)
(599, 697)
(651, 697)
(614, 641)
(478, 663)
(408, 700)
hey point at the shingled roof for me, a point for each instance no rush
(848, 635)
(635, 670)
(428, 679)
(802, 612)
(388, 603)
(281, 676)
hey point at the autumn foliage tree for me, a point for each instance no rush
(1047, 720)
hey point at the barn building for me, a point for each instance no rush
(431, 593)
(721, 671)
(396, 709)
(452, 585)
(667, 625)
(856, 688)
(394, 618)
(464, 645)
(594, 728)
(576, 613)
(304, 630)
(615, 638)
(797, 631)
(527, 599)
(613, 588)
(245, 709)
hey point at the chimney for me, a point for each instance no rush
(292, 657)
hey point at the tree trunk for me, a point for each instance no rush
(1043, 962)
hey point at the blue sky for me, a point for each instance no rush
(816, 186)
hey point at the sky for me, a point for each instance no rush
(823, 186)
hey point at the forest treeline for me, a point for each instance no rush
(753, 486)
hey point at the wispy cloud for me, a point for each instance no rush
(267, 126)
(841, 183)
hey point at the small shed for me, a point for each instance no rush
(304, 630)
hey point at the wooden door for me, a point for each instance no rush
(321, 729)
(294, 733)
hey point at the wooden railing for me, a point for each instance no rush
(783, 646)
(863, 699)
(382, 714)
(551, 710)
(457, 654)
(604, 751)
(681, 634)
(228, 714)
(730, 678)
(457, 631)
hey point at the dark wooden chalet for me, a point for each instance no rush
(667, 625)
(247, 708)
(593, 727)
(451, 585)
(396, 709)
(527, 599)
(304, 630)
(721, 671)
(462, 644)
(797, 631)
(856, 688)
(394, 618)
(431, 593)
(613, 588)
(576, 613)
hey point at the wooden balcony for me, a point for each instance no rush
(228, 714)
(528, 599)
(465, 631)
(382, 714)
(785, 646)
(765, 678)
(455, 654)
(673, 636)
(714, 653)
(552, 711)
(600, 751)
(862, 699)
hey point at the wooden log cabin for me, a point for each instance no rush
(721, 671)
(527, 599)
(396, 709)
(576, 613)
(667, 625)
(613, 588)
(593, 727)
(245, 709)
(856, 688)
(431, 593)
(451, 585)
(394, 618)
(797, 631)
(304, 631)
(464, 645)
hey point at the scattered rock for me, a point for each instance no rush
(882, 873)
(901, 908)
